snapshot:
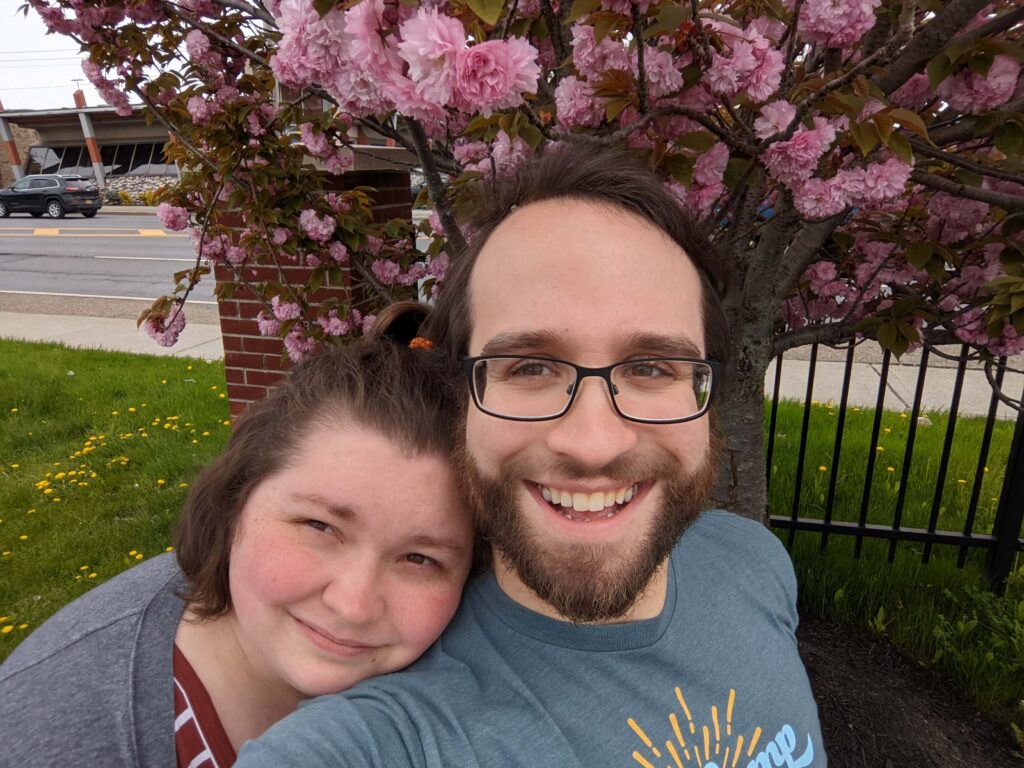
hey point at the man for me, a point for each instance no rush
(619, 625)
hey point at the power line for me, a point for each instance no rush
(42, 58)
(34, 87)
(40, 50)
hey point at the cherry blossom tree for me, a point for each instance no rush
(858, 162)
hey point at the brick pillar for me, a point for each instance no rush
(252, 362)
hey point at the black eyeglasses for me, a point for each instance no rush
(650, 390)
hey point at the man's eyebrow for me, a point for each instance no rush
(519, 341)
(671, 345)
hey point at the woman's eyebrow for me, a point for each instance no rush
(341, 512)
(434, 542)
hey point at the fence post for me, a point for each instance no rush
(1006, 529)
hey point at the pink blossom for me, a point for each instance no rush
(438, 266)
(297, 345)
(338, 251)
(508, 154)
(914, 93)
(625, 7)
(952, 219)
(234, 254)
(430, 43)
(172, 216)
(165, 330)
(268, 324)
(108, 89)
(837, 23)
(663, 75)
(707, 185)
(280, 236)
(819, 198)
(435, 223)
(467, 153)
(386, 271)
(318, 228)
(592, 59)
(367, 324)
(576, 104)
(749, 63)
(199, 50)
(974, 93)
(775, 118)
(333, 325)
(496, 73)
(285, 310)
(201, 110)
(793, 161)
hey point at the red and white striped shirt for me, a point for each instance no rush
(199, 736)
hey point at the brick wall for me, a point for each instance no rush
(23, 139)
(253, 363)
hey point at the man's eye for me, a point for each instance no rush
(529, 368)
(647, 370)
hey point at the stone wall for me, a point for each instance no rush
(136, 185)
(23, 139)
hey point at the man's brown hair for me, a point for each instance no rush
(616, 178)
(405, 394)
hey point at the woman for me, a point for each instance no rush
(326, 545)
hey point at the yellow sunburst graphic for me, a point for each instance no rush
(701, 744)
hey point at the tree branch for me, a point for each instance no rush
(964, 130)
(929, 40)
(952, 159)
(823, 333)
(555, 30)
(257, 11)
(435, 186)
(994, 27)
(804, 248)
(1003, 200)
(641, 70)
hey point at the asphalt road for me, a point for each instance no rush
(111, 256)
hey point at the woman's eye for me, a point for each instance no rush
(417, 559)
(318, 525)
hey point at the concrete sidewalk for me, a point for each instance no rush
(110, 324)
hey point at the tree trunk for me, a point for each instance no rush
(742, 485)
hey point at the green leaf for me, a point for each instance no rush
(700, 141)
(899, 145)
(323, 7)
(531, 134)
(681, 168)
(604, 22)
(911, 121)
(1009, 139)
(668, 20)
(613, 107)
(581, 8)
(980, 63)
(1013, 224)
(970, 178)
(488, 10)
(919, 254)
(865, 135)
(939, 69)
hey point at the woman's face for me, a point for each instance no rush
(348, 563)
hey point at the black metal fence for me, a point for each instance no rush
(1001, 543)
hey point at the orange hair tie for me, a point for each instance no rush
(421, 343)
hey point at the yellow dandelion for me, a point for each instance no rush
(887, 430)
(163, 381)
(23, 626)
(195, 442)
(55, 500)
(31, 511)
(23, 537)
(14, 410)
(986, 469)
(7, 628)
(138, 556)
(890, 469)
(183, 485)
(60, 476)
(206, 434)
(92, 575)
(84, 568)
(167, 425)
(93, 475)
(48, 490)
(132, 552)
(83, 484)
(169, 549)
(6, 552)
(823, 468)
(3, 619)
(226, 422)
(114, 413)
(961, 482)
(188, 368)
(161, 482)
(221, 395)
(214, 387)
(15, 466)
(879, 449)
(131, 409)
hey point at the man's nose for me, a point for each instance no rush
(592, 433)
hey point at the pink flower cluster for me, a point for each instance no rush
(426, 66)
(793, 161)
(837, 23)
(172, 216)
(165, 330)
(336, 159)
(576, 104)
(873, 184)
(753, 64)
(503, 155)
(285, 310)
(108, 89)
(973, 93)
(298, 345)
(319, 228)
(952, 219)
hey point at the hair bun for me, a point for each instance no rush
(400, 322)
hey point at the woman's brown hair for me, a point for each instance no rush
(408, 395)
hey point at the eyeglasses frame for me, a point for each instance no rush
(583, 372)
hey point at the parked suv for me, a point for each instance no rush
(52, 194)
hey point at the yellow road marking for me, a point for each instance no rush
(46, 232)
(152, 233)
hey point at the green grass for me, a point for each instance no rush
(937, 613)
(96, 452)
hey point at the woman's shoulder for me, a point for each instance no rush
(103, 615)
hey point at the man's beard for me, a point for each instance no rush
(587, 583)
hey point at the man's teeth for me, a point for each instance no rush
(588, 502)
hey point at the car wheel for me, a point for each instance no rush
(55, 209)
(4, 210)
(88, 214)
(36, 214)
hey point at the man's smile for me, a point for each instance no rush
(585, 506)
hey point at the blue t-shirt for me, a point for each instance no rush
(714, 681)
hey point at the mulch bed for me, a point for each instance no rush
(879, 709)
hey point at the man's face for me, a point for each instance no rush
(594, 285)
